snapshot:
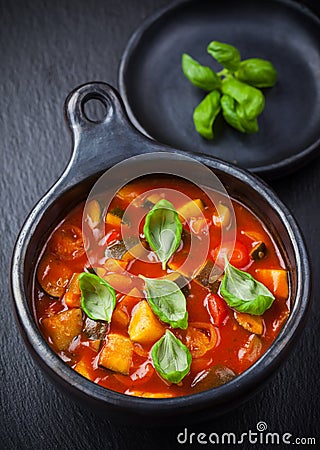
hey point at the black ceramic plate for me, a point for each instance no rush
(160, 100)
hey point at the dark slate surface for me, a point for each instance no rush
(46, 49)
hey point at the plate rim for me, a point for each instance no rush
(273, 170)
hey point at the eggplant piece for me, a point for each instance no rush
(212, 378)
(209, 277)
(258, 251)
(119, 249)
(95, 329)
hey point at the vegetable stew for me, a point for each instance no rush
(140, 312)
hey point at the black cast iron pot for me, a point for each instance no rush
(96, 147)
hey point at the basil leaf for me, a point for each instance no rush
(98, 298)
(205, 113)
(257, 72)
(162, 230)
(227, 55)
(201, 76)
(167, 301)
(243, 293)
(171, 358)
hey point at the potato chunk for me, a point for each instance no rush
(117, 353)
(276, 280)
(144, 327)
(63, 327)
(193, 208)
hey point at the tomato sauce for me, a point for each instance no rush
(221, 347)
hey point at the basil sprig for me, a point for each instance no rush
(167, 301)
(98, 298)
(235, 89)
(162, 230)
(171, 358)
(244, 293)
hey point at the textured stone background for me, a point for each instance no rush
(46, 49)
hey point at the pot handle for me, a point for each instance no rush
(101, 144)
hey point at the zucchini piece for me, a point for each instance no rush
(95, 329)
(115, 217)
(193, 208)
(208, 277)
(150, 201)
(258, 251)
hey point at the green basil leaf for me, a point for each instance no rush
(257, 72)
(201, 76)
(228, 105)
(226, 55)
(171, 358)
(163, 230)
(98, 298)
(167, 301)
(243, 293)
(205, 114)
(250, 98)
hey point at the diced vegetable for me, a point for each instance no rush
(93, 213)
(95, 329)
(73, 294)
(150, 394)
(82, 368)
(144, 327)
(133, 248)
(223, 216)
(251, 350)
(114, 218)
(199, 225)
(276, 281)
(258, 251)
(253, 324)
(151, 200)
(193, 208)
(139, 377)
(217, 308)
(176, 266)
(115, 265)
(212, 378)
(116, 354)
(120, 316)
(63, 327)
(200, 338)
(67, 242)
(209, 277)
(237, 254)
(127, 193)
(118, 281)
(53, 275)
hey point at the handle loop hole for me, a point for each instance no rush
(96, 108)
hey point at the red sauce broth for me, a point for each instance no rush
(231, 348)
